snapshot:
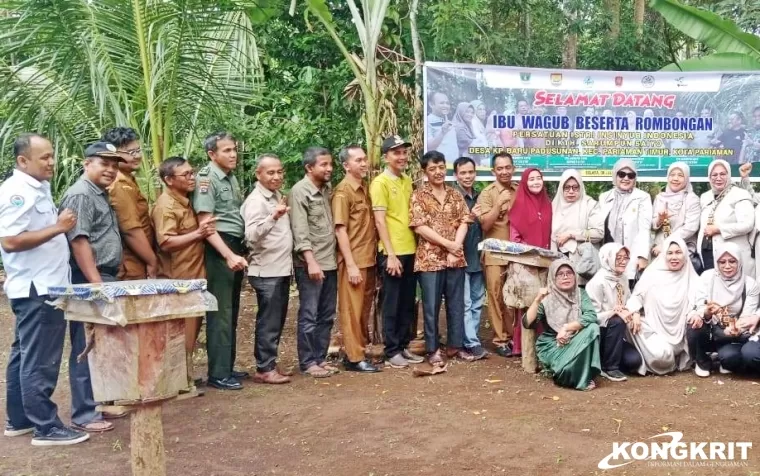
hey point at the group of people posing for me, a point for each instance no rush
(337, 242)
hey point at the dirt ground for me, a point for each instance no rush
(482, 418)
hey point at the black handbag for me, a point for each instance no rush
(696, 261)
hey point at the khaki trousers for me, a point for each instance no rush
(354, 306)
(502, 317)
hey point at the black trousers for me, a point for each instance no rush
(272, 296)
(616, 353)
(398, 304)
(712, 338)
(316, 315)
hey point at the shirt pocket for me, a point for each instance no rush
(226, 194)
(187, 224)
(317, 219)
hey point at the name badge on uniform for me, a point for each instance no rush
(203, 185)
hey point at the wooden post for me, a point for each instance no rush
(147, 440)
(528, 343)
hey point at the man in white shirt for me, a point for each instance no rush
(35, 254)
(441, 135)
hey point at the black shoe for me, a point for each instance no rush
(59, 437)
(614, 375)
(240, 374)
(478, 352)
(362, 366)
(229, 383)
(504, 351)
(11, 430)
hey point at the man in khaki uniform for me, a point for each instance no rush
(180, 237)
(495, 201)
(357, 242)
(218, 194)
(131, 207)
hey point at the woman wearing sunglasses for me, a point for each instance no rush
(728, 215)
(628, 216)
(576, 218)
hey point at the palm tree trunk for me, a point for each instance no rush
(570, 53)
(613, 6)
(638, 17)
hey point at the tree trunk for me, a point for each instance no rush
(638, 17)
(526, 30)
(570, 53)
(614, 8)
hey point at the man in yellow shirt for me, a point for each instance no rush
(390, 193)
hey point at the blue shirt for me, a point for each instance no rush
(474, 233)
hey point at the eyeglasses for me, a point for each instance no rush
(719, 175)
(571, 188)
(565, 274)
(188, 175)
(629, 175)
(623, 259)
(133, 152)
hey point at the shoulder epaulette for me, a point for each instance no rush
(205, 170)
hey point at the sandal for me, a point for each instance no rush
(317, 372)
(435, 359)
(591, 385)
(101, 426)
(330, 368)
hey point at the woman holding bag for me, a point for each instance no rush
(676, 210)
(576, 220)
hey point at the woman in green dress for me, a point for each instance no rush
(569, 345)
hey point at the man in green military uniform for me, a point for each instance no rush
(218, 194)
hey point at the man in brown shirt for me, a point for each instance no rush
(180, 237)
(131, 207)
(357, 242)
(495, 201)
(438, 214)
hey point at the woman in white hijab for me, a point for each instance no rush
(628, 216)
(568, 347)
(728, 215)
(725, 315)
(576, 218)
(479, 130)
(677, 209)
(609, 292)
(666, 292)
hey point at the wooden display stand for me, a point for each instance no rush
(529, 336)
(140, 365)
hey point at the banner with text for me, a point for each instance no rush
(560, 119)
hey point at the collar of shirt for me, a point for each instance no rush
(392, 175)
(313, 190)
(129, 178)
(43, 186)
(471, 196)
(218, 171)
(182, 199)
(428, 189)
(268, 194)
(92, 186)
(353, 183)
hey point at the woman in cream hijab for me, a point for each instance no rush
(569, 345)
(628, 216)
(727, 215)
(666, 293)
(726, 313)
(609, 292)
(576, 217)
(677, 209)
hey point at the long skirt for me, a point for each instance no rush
(574, 364)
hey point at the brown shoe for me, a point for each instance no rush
(460, 354)
(272, 377)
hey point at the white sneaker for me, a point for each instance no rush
(700, 371)
(412, 358)
(724, 371)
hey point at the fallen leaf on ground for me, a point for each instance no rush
(493, 381)
(555, 398)
(665, 428)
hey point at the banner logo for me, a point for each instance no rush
(681, 82)
(675, 453)
(647, 81)
(556, 79)
(618, 81)
(525, 77)
(588, 81)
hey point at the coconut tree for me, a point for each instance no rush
(735, 50)
(70, 68)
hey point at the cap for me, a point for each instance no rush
(102, 149)
(391, 142)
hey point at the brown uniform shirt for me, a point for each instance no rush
(132, 211)
(351, 208)
(500, 229)
(173, 216)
